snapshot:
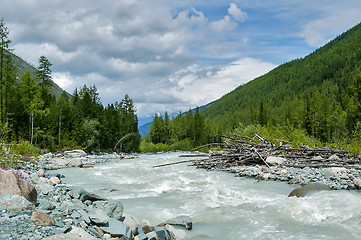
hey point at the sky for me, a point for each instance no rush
(170, 55)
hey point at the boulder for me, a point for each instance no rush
(131, 222)
(334, 158)
(174, 234)
(13, 202)
(117, 229)
(337, 171)
(152, 236)
(76, 162)
(184, 221)
(75, 153)
(41, 172)
(10, 183)
(146, 226)
(310, 187)
(93, 197)
(112, 208)
(357, 183)
(54, 180)
(78, 192)
(60, 162)
(98, 216)
(271, 160)
(42, 219)
(283, 171)
(75, 234)
(295, 180)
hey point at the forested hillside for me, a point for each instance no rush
(30, 110)
(319, 94)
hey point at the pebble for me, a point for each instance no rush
(66, 205)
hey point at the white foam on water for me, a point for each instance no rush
(221, 206)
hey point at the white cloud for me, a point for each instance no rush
(236, 12)
(199, 85)
(224, 24)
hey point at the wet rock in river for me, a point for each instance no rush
(310, 187)
(185, 221)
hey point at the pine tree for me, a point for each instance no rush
(4, 52)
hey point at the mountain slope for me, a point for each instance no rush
(314, 92)
(23, 67)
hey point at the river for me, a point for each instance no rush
(221, 206)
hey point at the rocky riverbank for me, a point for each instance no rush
(337, 178)
(35, 204)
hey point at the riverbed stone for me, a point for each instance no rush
(75, 153)
(132, 222)
(42, 219)
(78, 192)
(146, 226)
(174, 234)
(112, 208)
(152, 236)
(54, 180)
(182, 220)
(14, 202)
(357, 183)
(117, 229)
(10, 183)
(76, 162)
(310, 187)
(272, 160)
(98, 216)
(76, 233)
(338, 171)
(334, 158)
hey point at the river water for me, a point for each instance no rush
(220, 205)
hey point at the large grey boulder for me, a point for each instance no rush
(10, 183)
(174, 234)
(75, 153)
(182, 220)
(117, 229)
(112, 208)
(76, 162)
(75, 234)
(271, 160)
(98, 216)
(78, 192)
(310, 187)
(16, 203)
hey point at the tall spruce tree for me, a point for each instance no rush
(4, 55)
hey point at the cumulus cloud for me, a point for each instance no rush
(224, 24)
(236, 12)
(201, 85)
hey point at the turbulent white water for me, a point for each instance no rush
(220, 205)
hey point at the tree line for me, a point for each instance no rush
(183, 132)
(30, 111)
(319, 94)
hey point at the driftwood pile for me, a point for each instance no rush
(239, 151)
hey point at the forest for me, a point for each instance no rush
(315, 100)
(318, 96)
(30, 112)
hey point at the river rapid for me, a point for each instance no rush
(221, 206)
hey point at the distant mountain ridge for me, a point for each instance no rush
(23, 67)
